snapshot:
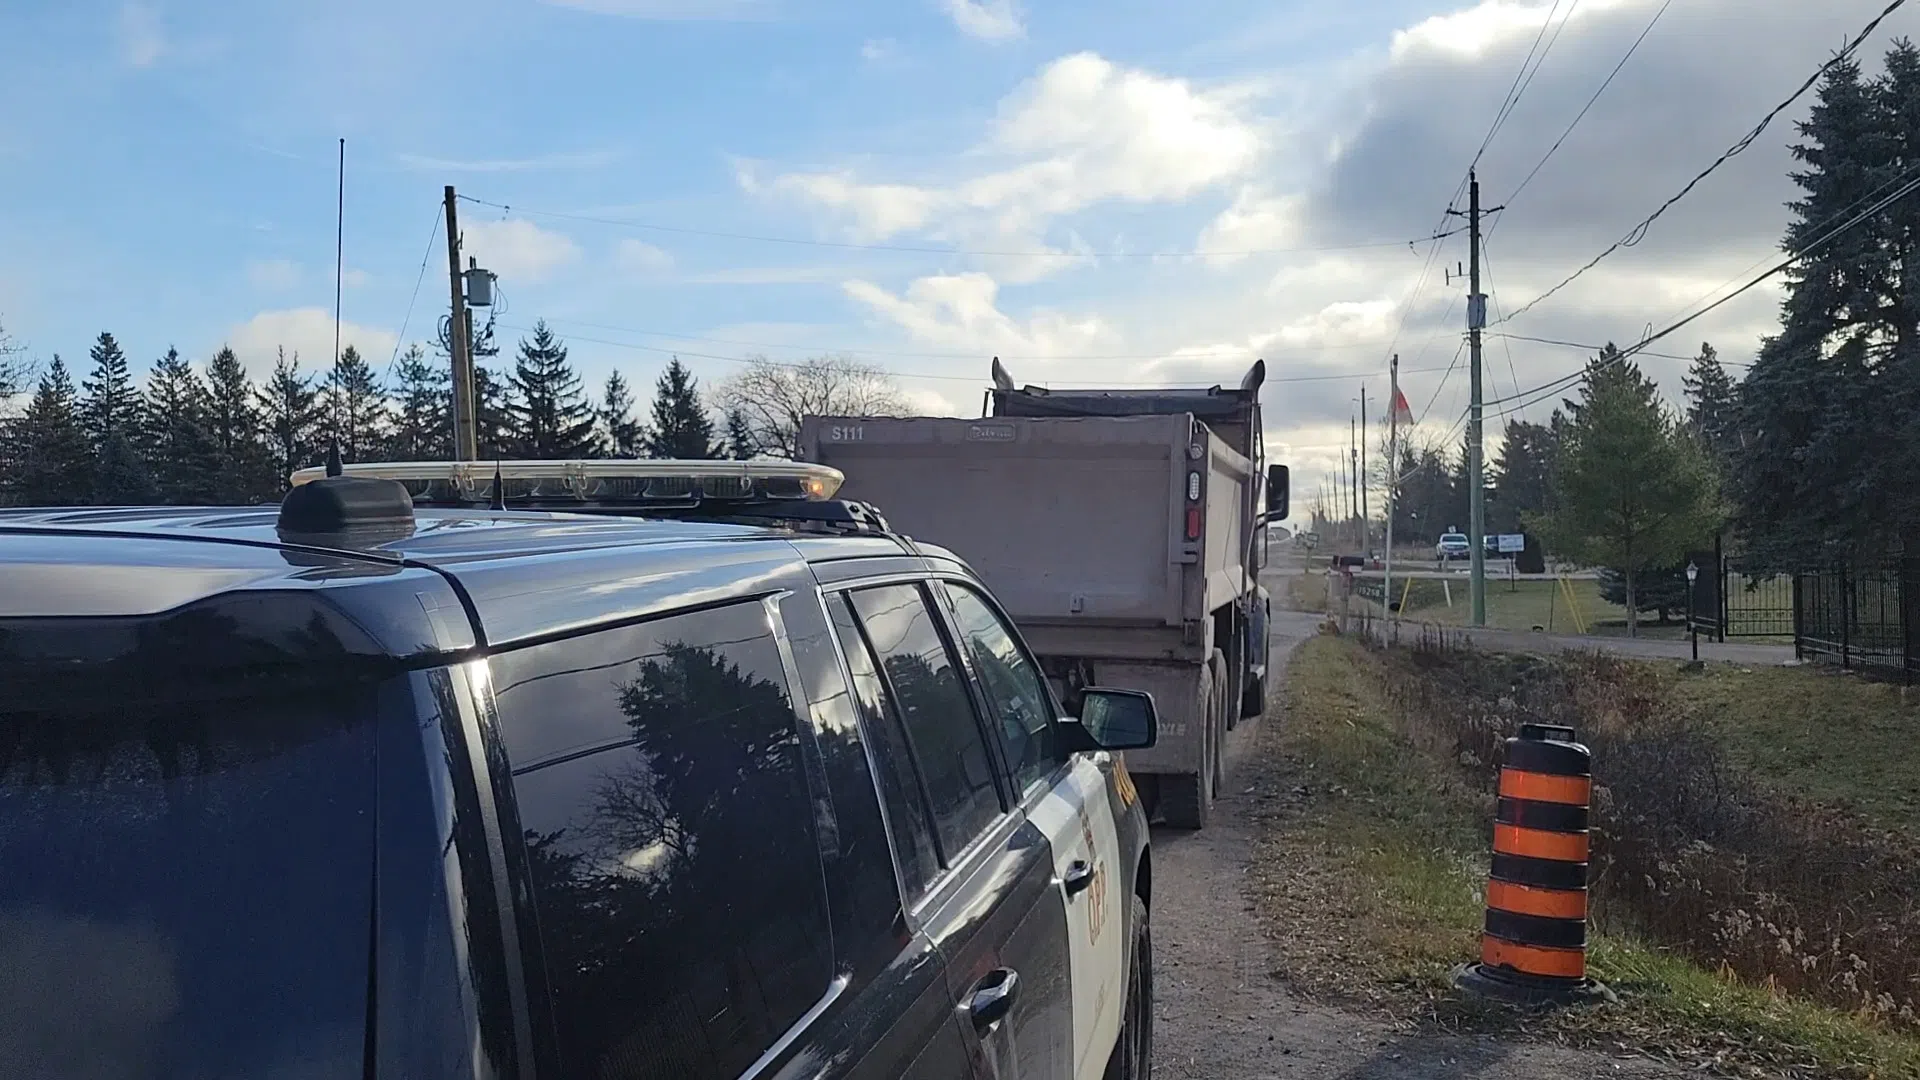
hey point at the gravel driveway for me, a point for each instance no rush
(1219, 1016)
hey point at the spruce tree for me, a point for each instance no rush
(357, 409)
(423, 426)
(622, 435)
(176, 441)
(1711, 403)
(243, 472)
(681, 427)
(1522, 476)
(109, 403)
(740, 441)
(292, 415)
(54, 460)
(550, 415)
(492, 413)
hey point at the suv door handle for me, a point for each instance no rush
(992, 998)
(1079, 875)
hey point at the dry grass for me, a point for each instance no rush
(1373, 856)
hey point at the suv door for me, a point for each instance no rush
(1065, 797)
(981, 879)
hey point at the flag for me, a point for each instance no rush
(1401, 413)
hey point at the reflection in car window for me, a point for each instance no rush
(1015, 690)
(670, 837)
(185, 888)
(925, 688)
(899, 777)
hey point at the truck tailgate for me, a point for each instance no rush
(1067, 520)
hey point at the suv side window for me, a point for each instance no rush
(670, 839)
(928, 692)
(1016, 694)
(900, 780)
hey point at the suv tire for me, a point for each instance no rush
(1132, 1057)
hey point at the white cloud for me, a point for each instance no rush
(988, 20)
(641, 258)
(961, 311)
(307, 332)
(518, 250)
(273, 274)
(143, 41)
(875, 50)
(355, 278)
(1082, 132)
(1256, 220)
(584, 159)
(672, 10)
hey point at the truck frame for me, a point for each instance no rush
(1122, 529)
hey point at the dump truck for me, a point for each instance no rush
(1122, 529)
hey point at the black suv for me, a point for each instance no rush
(348, 790)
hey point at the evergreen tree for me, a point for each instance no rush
(243, 471)
(54, 460)
(623, 436)
(492, 413)
(681, 427)
(550, 415)
(1522, 476)
(740, 441)
(120, 474)
(1711, 403)
(176, 441)
(423, 430)
(110, 403)
(1810, 479)
(357, 408)
(293, 415)
(1632, 492)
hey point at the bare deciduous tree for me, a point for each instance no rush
(772, 398)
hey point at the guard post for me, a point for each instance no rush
(1534, 948)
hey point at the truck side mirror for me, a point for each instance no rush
(1118, 719)
(1277, 483)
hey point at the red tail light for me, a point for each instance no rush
(1193, 523)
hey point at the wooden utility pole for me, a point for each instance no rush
(1476, 468)
(460, 344)
(1366, 518)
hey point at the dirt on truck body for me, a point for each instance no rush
(1123, 529)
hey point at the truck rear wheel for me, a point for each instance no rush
(1186, 799)
(1217, 664)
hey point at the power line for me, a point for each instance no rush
(1548, 156)
(916, 250)
(905, 374)
(1639, 231)
(415, 298)
(1583, 346)
(1513, 92)
(1556, 385)
(974, 355)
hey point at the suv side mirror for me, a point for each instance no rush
(1119, 719)
(1278, 479)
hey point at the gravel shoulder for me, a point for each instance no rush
(1221, 1015)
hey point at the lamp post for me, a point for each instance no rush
(1693, 624)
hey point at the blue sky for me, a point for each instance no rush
(167, 172)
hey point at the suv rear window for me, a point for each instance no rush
(186, 890)
(671, 841)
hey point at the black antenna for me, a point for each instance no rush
(334, 467)
(499, 488)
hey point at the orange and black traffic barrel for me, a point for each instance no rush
(1535, 945)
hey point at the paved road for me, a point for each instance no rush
(1221, 1016)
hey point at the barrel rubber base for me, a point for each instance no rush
(1517, 989)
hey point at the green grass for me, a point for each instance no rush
(1832, 738)
(1368, 871)
(1523, 605)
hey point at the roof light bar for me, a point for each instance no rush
(636, 482)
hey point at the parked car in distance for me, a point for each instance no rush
(1452, 545)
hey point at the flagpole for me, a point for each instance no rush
(1393, 473)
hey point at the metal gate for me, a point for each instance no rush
(1736, 602)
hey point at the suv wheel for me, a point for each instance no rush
(1132, 1057)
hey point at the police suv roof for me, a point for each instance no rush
(454, 579)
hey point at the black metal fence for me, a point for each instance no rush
(1865, 616)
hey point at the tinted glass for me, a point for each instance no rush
(924, 686)
(1016, 692)
(899, 777)
(669, 830)
(185, 890)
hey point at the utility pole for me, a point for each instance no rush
(1476, 472)
(1353, 475)
(460, 344)
(1393, 469)
(1366, 517)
